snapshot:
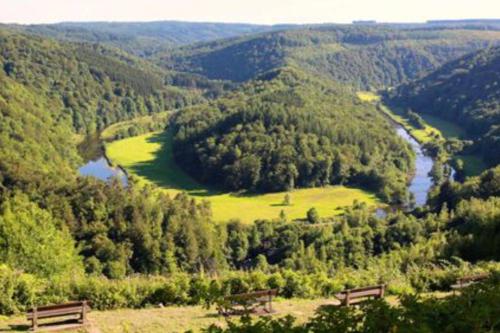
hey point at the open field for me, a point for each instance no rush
(473, 165)
(368, 96)
(424, 135)
(149, 158)
(110, 132)
(447, 129)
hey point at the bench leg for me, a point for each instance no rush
(84, 313)
(34, 320)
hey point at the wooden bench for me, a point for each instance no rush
(354, 296)
(469, 280)
(246, 303)
(79, 308)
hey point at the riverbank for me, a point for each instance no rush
(435, 130)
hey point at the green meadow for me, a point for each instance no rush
(149, 159)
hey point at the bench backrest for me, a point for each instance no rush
(45, 308)
(376, 291)
(472, 278)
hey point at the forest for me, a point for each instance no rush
(290, 130)
(267, 109)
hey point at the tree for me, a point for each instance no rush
(313, 216)
(287, 200)
(34, 241)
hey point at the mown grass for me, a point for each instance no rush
(149, 158)
(368, 96)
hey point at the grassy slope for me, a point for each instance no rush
(109, 132)
(150, 159)
(473, 164)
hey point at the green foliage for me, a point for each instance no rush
(34, 241)
(292, 131)
(143, 38)
(117, 86)
(362, 56)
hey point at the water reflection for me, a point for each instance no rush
(101, 169)
(421, 183)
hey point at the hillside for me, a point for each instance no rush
(287, 130)
(144, 38)
(363, 56)
(97, 85)
(466, 92)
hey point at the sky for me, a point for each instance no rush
(254, 11)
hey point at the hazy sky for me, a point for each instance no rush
(254, 11)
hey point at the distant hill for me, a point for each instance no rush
(97, 85)
(365, 56)
(465, 91)
(143, 38)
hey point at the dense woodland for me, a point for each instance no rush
(366, 57)
(143, 38)
(466, 92)
(290, 130)
(67, 237)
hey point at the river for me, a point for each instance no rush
(98, 166)
(421, 182)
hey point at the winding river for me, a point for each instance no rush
(421, 183)
(98, 166)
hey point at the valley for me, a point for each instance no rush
(156, 169)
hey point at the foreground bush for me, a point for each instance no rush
(19, 291)
(475, 310)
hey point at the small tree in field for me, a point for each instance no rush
(313, 216)
(287, 201)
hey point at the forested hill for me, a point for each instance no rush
(466, 92)
(363, 56)
(288, 129)
(95, 85)
(143, 38)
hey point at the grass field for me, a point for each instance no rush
(424, 135)
(109, 132)
(446, 128)
(368, 96)
(149, 158)
(473, 165)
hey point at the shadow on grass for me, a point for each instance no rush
(164, 172)
(16, 328)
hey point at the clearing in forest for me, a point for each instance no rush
(149, 158)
